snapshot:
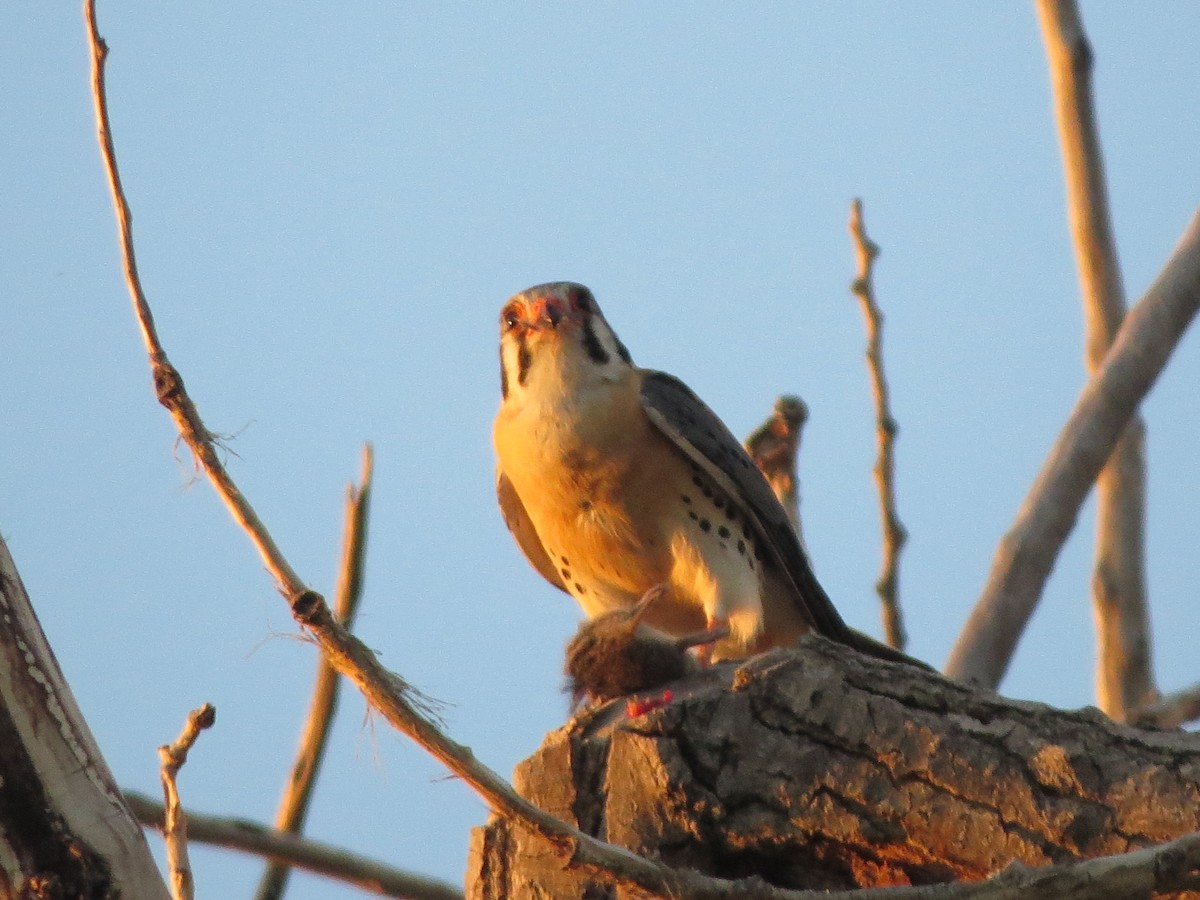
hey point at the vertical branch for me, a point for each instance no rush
(1124, 679)
(884, 471)
(173, 756)
(297, 795)
(774, 447)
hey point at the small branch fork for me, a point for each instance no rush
(1171, 711)
(173, 756)
(894, 534)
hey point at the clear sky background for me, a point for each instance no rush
(331, 203)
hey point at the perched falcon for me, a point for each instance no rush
(615, 480)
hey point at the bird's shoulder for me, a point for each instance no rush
(689, 423)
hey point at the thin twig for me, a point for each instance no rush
(1023, 561)
(894, 534)
(300, 853)
(175, 832)
(168, 384)
(1124, 676)
(294, 805)
(774, 446)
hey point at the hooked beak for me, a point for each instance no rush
(546, 313)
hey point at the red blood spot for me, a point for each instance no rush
(639, 707)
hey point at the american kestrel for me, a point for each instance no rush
(615, 480)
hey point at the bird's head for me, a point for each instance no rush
(555, 333)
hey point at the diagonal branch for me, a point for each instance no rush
(1124, 680)
(1026, 554)
(894, 533)
(294, 805)
(168, 384)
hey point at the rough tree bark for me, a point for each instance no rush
(64, 829)
(821, 768)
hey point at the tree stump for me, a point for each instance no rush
(821, 768)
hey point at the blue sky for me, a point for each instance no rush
(332, 203)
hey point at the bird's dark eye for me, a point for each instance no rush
(509, 319)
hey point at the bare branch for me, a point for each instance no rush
(894, 534)
(1141, 349)
(774, 447)
(1124, 679)
(293, 806)
(297, 852)
(1171, 711)
(168, 384)
(173, 756)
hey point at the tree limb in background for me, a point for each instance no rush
(1170, 711)
(294, 805)
(1027, 552)
(297, 852)
(173, 756)
(1124, 676)
(774, 447)
(894, 534)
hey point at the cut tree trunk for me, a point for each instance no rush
(822, 768)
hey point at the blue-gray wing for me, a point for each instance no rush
(697, 431)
